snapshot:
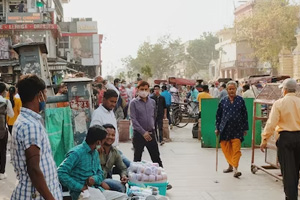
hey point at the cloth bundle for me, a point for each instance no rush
(146, 172)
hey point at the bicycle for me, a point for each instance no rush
(183, 113)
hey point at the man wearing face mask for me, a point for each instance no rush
(284, 119)
(142, 114)
(30, 148)
(161, 113)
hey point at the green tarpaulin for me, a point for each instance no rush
(60, 132)
(208, 119)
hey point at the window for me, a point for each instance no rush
(64, 43)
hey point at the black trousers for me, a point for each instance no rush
(139, 143)
(3, 148)
(288, 146)
(10, 129)
(168, 115)
(159, 128)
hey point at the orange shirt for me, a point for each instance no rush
(61, 104)
(17, 110)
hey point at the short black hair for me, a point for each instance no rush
(109, 94)
(156, 86)
(29, 86)
(151, 90)
(2, 87)
(109, 126)
(94, 134)
(142, 84)
(246, 87)
(223, 85)
(164, 87)
(99, 86)
(205, 88)
(117, 80)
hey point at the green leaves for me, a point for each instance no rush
(272, 26)
(156, 59)
(200, 52)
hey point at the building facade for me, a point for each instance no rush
(34, 21)
(236, 58)
(80, 45)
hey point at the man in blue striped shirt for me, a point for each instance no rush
(30, 148)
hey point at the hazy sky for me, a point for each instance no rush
(127, 23)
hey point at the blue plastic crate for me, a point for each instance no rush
(162, 187)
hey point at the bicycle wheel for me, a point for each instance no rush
(181, 120)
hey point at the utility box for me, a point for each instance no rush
(80, 100)
(33, 60)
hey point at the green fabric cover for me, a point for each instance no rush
(58, 123)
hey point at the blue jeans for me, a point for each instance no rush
(115, 185)
(126, 161)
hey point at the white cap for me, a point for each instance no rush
(290, 84)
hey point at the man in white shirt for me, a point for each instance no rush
(174, 93)
(6, 109)
(247, 92)
(107, 84)
(104, 114)
(129, 91)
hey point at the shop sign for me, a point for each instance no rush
(28, 27)
(87, 27)
(16, 18)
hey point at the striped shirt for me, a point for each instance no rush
(28, 130)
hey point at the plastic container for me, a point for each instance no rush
(162, 187)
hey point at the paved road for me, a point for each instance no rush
(191, 171)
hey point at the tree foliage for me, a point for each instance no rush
(272, 26)
(156, 59)
(200, 52)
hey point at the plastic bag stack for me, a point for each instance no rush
(146, 172)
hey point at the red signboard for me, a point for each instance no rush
(29, 27)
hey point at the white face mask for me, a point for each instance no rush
(143, 94)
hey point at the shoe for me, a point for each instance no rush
(162, 143)
(171, 126)
(237, 174)
(3, 176)
(169, 187)
(227, 170)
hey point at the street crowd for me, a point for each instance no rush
(92, 163)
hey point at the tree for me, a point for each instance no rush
(200, 52)
(271, 27)
(147, 72)
(158, 58)
(122, 76)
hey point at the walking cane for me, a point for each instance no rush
(217, 150)
(217, 155)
